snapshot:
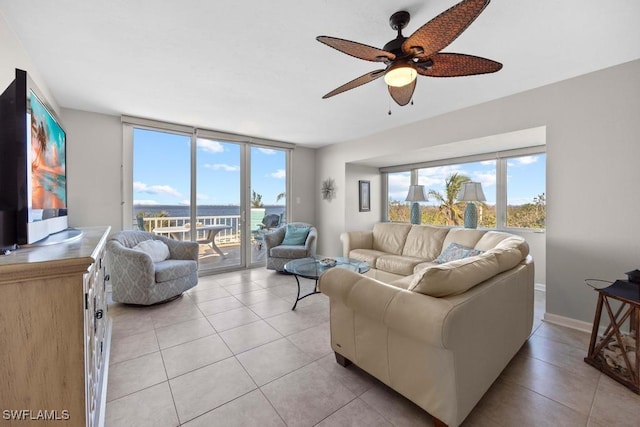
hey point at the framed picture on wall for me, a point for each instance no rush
(364, 195)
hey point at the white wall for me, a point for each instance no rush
(94, 156)
(303, 185)
(354, 219)
(12, 56)
(593, 143)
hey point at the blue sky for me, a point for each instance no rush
(161, 171)
(525, 178)
(162, 160)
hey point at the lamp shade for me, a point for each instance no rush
(416, 194)
(471, 192)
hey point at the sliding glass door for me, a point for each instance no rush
(268, 196)
(218, 204)
(225, 195)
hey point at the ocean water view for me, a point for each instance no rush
(202, 210)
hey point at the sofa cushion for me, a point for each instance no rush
(390, 237)
(517, 243)
(424, 241)
(172, 269)
(398, 264)
(463, 236)
(455, 277)
(367, 255)
(295, 235)
(507, 258)
(456, 251)
(156, 249)
(423, 265)
(288, 251)
(490, 239)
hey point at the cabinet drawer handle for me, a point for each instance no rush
(99, 314)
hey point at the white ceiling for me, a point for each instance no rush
(254, 67)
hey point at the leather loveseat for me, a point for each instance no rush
(438, 333)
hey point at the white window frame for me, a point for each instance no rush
(501, 158)
(246, 142)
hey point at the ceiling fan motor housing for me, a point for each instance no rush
(399, 20)
(395, 46)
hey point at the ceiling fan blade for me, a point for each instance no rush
(358, 50)
(366, 78)
(456, 65)
(402, 95)
(438, 33)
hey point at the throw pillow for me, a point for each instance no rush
(295, 235)
(156, 249)
(455, 251)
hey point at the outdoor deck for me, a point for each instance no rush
(210, 260)
(227, 240)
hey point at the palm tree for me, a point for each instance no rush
(256, 200)
(281, 196)
(450, 210)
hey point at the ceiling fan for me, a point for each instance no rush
(406, 57)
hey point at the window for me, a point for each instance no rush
(513, 183)
(526, 204)
(200, 185)
(161, 199)
(442, 184)
(398, 187)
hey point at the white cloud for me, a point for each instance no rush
(487, 179)
(398, 185)
(141, 187)
(435, 177)
(223, 167)
(202, 197)
(279, 174)
(268, 151)
(210, 146)
(146, 202)
(522, 161)
(185, 202)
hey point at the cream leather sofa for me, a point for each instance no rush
(439, 334)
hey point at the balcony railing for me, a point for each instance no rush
(230, 236)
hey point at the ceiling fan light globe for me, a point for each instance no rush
(401, 75)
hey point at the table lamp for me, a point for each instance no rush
(416, 194)
(471, 192)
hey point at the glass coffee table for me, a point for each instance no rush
(312, 268)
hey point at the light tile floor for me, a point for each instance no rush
(232, 353)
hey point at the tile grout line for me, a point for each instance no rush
(593, 401)
(173, 399)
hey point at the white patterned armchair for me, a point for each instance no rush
(137, 279)
(278, 254)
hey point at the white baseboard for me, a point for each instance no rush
(568, 322)
(561, 320)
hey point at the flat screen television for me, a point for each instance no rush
(33, 184)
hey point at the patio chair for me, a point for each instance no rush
(269, 222)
